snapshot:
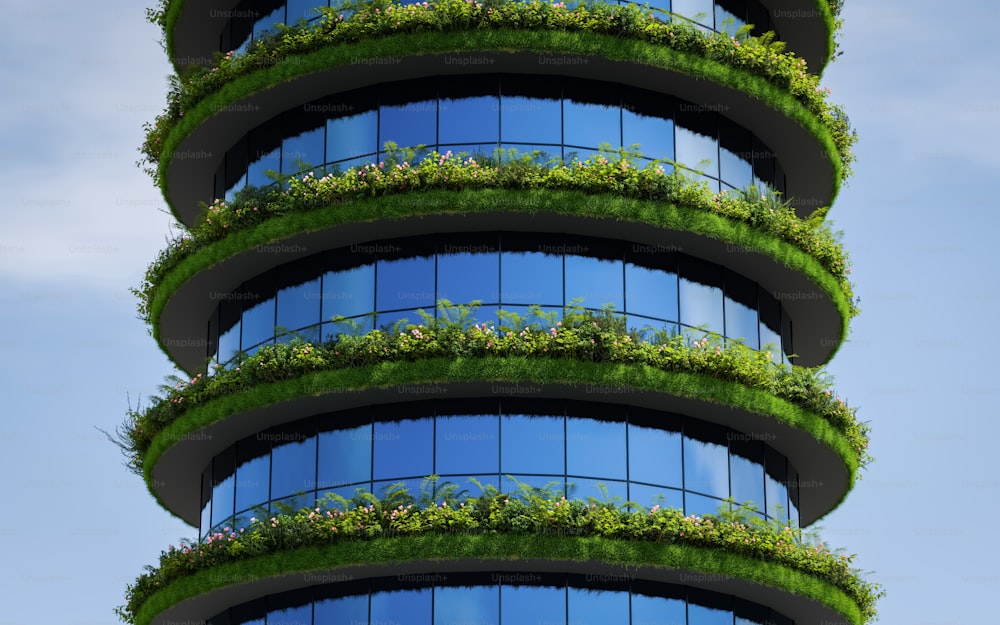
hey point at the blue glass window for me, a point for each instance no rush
(405, 283)
(351, 136)
(648, 610)
(252, 479)
(597, 281)
(700, 295)
(402, 607)
(348, 292)
(298, 307)
(530, 120)
(589, 125)
(531, 278)
(540, 444)
(703, 615)
(302, 152)
(746, 466)
(654, 135)
(351, 610)
(222, 490)
(654, 456)
(699, 153)
(742, 321)
(651, 292)
(466, 605)
(262, 170)
(701, 11)
(595, 448)
(345, 457)
(258, 323)
(404, 449)
(469, 120)
(302, 9)
(293, 466)
(409, 125)
(299, 615)
(595, 607)
(532, 605)
(466, 276)
(468, 444)
(706, 466)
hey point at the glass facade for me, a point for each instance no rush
(376, 284)
(500, 598)
(251, 19)
(560, 117)
(634, 454)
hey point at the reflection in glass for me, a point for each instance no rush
(596, 280)
(540, 444)
(464, 605)
(294, 467)
(345, 457)
(405, 283)
(469, 120)
(590, 125)
(706, 467)
(595, 448)
(531, 278)
(404, 448)
(654, 456)
(533, 605)
(596, 607)
(402, 607)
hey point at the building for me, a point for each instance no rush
(585, 428)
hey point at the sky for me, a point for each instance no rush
(79, 222)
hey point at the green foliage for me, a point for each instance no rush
(533, 511)
(611, 172)
(581, 335)
(760, 56)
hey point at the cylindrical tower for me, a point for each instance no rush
(507, 256)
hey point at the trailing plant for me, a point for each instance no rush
(581, 335)
(757, 56)
(528, 511)
(610, 172)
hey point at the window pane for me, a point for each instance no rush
(265, 23)
(654, 456)
(405, 283)
(470, 120)
(300, 615)
(352, 610)
(697, 10)
(302, 9)
(746, 465)
(299, 305)
(409, 125)
(709, 616)
(610, 491)
(257, 172)
(650, 292)
(595, 448)
(258, 323)
(348, 292)
(229, 343)
(696, 151)
(539, 447)
(468, 444)
(648, 610)
(467, 605)
(595, 607)
(402, 607)
(654, 135)
(741, 310)
(356, 135)
(404, 448)
(775, 488)
(597, 281)
(706, 467)
(303, 152)
(700, 296)
(345, 457)
(589, 125)
(531, 278)
(463, 277)
(699, 505)
(294, 467)
(533, 605)
(530, 120)
(252, 478)
(222, 500)
(648, 496)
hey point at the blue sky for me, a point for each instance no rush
(79, 223)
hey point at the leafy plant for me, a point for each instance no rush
(336, 520)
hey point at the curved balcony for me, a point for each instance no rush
(581, 448)
(703, 574)
(822, 452)
(190, 293)
(806, 26)
(194, 148)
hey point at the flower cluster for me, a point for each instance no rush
(336, 520)
(581, 336)
(758, 56)
(766, 213)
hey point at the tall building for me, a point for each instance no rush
(607, 430)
